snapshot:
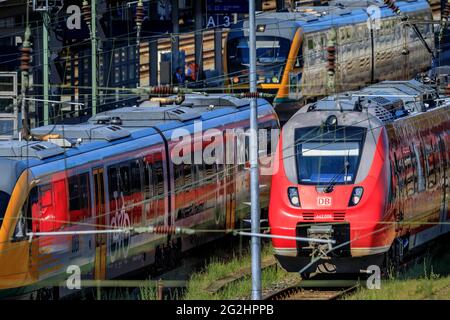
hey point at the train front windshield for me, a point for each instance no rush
(332, 156)
(271, 56)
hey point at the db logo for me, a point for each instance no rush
(324, 201)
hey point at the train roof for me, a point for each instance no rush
(120, 125)
(150, 113)
(311, 19)
(387, 100)
(57, 142)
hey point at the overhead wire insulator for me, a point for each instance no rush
(169, 230)
(25, 58)
(87, 16)
(250, 95)
(391, 5)
(139, 19)
(331, 58)
(139, 13)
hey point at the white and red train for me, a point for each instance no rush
(368, 169)
(118, 172)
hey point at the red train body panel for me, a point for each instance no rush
(400, 164)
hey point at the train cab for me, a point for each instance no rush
(299, 53)
(353, 169)
(332, 167)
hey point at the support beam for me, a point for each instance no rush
(45, 67)
(94, 55)
(254, 166)
(218, 56)
(176, 38)
(153, 47)
(198, 4)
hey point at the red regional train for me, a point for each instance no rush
(118, 172)
(367, 169)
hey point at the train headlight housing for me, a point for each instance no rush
(356, 196)
(236, 80)
(275, 79)
(331, 121)
(293, 196)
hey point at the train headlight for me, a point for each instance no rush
(293, 196)
(331, 121)
(275, 80)
(356, 196)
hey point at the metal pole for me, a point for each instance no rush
(153, 48)
(176, 39)
(45, 64)
(254, 170)
(198, 37)
(26, 51)
(218, 50)
(94, 55)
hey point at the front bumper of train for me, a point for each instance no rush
(330, 265)
(353, 238)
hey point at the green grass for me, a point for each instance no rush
(239, 289)
(427, 279)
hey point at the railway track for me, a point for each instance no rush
(314, 290)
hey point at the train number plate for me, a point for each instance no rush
(324, 201)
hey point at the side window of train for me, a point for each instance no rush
(113, 181)
(419, 168)
(299, 60)
(178, 177)
(26, 223)
(148, 180)
(409, 170)
(158, 178)
(431, 164)
(125, 179)
(442, 152)
(79, 197)
(135, 174)
(415, 162)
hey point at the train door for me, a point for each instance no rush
(445, 214)
(100, 220)
(230, 179)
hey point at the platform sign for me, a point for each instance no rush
(227, 6)
(220, 20)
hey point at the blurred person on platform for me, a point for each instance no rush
(179, 77)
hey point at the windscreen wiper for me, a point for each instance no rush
(333, 181)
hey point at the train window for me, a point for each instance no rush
(310, 44)
(135, 176)
(113, 181)
(79, 197)
(29, 216)
(159, 178)
(125, 179)
(210, 172)
(431, 165)
(4, 200)
(419, 170)
(148, 181)
(46, 195)
(333, 157)
(178, 176)
(199, 173)
(188, 177)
